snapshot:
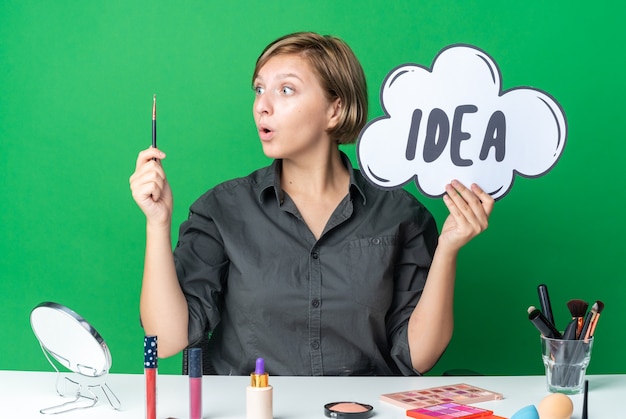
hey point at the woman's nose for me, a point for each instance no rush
(262, 104)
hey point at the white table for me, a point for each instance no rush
(23, 394)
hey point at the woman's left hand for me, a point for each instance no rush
(470, 209)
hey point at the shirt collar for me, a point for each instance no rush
(271, 180)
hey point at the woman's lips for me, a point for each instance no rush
(265, 134)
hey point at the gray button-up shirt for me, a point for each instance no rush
(255, 277)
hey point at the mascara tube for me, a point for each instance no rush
(195, 383)
(259, 393)
(150, 372)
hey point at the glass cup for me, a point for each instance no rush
(566, 362)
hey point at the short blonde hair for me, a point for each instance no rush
(339, 72)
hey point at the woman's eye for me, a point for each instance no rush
(258, 90)
(286, 90)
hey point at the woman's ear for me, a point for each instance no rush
(334, 113)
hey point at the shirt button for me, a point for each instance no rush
(315, 254)
(315, 303)
(376, 241)
(315, 345)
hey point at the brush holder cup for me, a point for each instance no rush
(566, 362)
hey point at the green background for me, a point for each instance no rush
(76, 86)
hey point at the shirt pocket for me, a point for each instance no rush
(371, 271)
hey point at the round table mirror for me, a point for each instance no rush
(72, 342)
(70, 339)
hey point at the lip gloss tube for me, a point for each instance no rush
(195, 383)
(150, 372)
(259, 394)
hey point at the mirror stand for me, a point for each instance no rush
(83, 388)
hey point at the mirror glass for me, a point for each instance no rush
(70, 339)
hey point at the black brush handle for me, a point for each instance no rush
(543, 325)
(544, 301)
(570, 330)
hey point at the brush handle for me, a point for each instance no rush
(543, 325)
(570, 330)
(544, 301)
(586, 324)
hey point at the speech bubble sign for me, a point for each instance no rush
(453, 121)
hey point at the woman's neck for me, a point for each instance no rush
(316, 176)
(316, 188)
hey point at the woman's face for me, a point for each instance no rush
(291, 110)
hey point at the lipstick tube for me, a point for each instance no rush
(150, 372)
(195, 383)
(259, 394)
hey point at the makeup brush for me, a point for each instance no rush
(154, 136)
(544, 302)
(542, 324)
(578, 308)
(154, 131)
(591, 321)
(586, 324)
(570, 330)
(599, 306)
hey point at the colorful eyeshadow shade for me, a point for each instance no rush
(449, 411)
(458, 393)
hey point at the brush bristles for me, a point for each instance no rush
(599, 306)
(577, 308)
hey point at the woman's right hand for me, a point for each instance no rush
(150, 188)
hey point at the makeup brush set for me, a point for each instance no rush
(582, 325)
(565, 354)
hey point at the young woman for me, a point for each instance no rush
(304, 263)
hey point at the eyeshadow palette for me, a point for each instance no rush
(449, 411)
(455, 393)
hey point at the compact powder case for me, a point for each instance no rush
(348, 410)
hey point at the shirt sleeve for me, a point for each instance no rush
(201, 266)
(419, 241)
